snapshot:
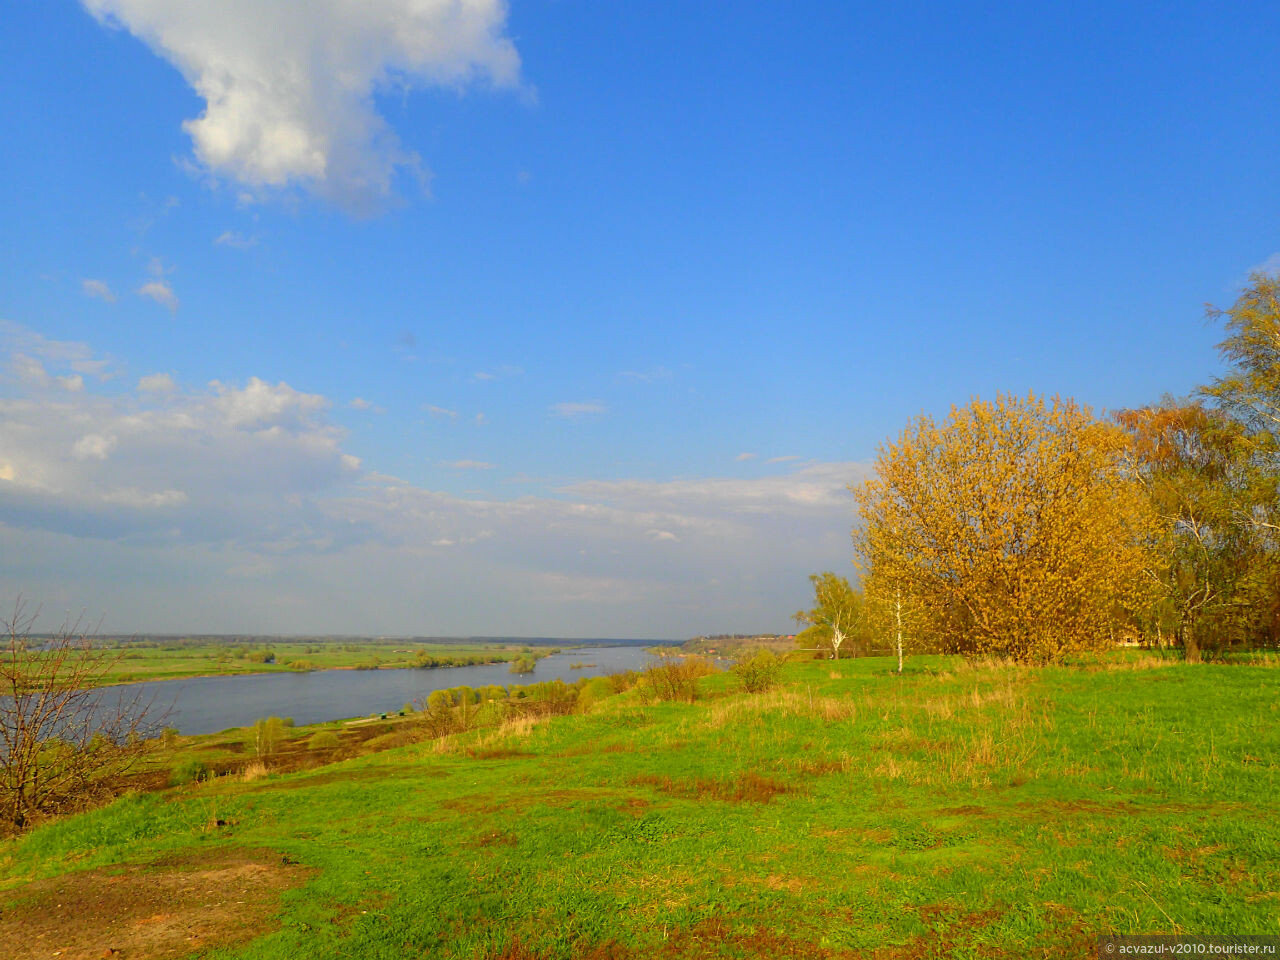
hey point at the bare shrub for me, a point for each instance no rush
(63, 738)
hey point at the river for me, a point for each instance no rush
(198, 705)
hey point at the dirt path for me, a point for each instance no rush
(164, 909)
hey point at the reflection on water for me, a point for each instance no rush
(208, 704)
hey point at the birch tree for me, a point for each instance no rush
(836, 613)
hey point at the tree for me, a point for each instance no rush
(1207, 485)
(63, 738)
(1250, 393)
(835, 615)
(1014, 528)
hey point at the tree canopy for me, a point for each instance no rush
(1015, 528)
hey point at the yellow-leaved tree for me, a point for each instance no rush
(1013, 529)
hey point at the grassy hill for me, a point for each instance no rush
(958, 811)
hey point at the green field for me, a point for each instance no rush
(957, 811)
(211, 658)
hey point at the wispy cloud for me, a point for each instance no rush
(646, 376)
(787, 459)
(290, 88)
(440, 413)
(157, 383)
(470, 465)
(98, 290)
(745, 456)
(234, 240)
(574, 409)
(1271, 265)
(360, 403)
(161, 293)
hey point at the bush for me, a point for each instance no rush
(190, 770)
(760, 672)
(324, 740)
(593, 691)
(677, 679)
(169, 737)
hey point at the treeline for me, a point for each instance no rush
(1031, 529)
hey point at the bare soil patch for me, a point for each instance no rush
(153, 911)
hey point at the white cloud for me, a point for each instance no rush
(360, 403)
(658, 536)
(32, 351)
(29, 370)
(157, 383)
(176, 489)
(235, 240)
(646, 376)
(289, 87)
(440, 413)
(584, 408)
(481, 419)
(1271, 265)
(73, 382)
(93, 446)
(96, 288)
(787, 459)
(259, 405)
(745, 456)
(470, 465)
(161, 293)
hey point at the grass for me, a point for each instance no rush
(959, 810)
(187, 658)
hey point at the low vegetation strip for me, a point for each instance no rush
(980, 810)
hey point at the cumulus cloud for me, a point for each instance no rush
(93, 446)
(160, 291)
(289, 88)
(98, 289)
(583, 408)
(180, 488)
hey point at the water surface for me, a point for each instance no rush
(208, 704)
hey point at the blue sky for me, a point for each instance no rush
(456, 317)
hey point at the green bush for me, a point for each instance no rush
(324, 740)
(676, 678)
(760, 672)
(190, 770)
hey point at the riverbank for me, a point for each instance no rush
(139, 663)
(198, 705)
(958, 810)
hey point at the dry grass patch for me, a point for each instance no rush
(745, 787)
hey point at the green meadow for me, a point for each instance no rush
(960, 810)
(131, 661)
